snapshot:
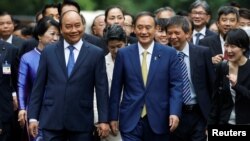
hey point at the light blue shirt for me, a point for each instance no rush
(187, 62)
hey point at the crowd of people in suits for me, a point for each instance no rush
(153, 76)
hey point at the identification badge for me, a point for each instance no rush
(6, 68)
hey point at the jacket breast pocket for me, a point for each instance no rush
(86, 104)
(48, 102)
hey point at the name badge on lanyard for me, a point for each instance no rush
(6, 68)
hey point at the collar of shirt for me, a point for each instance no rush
(202, 31)
(77, 45)
(149, 50)
(222, 42)
(9, 40)
(37, 50)
(185, 49)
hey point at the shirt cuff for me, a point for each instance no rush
(32, 120)
(13, 93)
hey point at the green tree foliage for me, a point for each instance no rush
(30, 7)
(87, 4)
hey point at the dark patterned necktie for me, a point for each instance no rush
(186, 84)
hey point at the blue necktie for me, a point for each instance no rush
(71, 60)
(197, 38)
(186, 84)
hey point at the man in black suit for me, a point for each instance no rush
(6, 31)
(8, 81)
(200, 14)
(197, 60)
(7, 28)
(228, 18)
(62, 95)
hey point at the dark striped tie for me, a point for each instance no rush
(197, 38)
(186, 84)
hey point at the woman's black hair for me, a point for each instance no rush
(239, 38)
(43, 25)
(114, 32)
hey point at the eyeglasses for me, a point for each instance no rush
(199, 13)
(128, 25)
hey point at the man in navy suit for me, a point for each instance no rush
(6, 33)
(200, 14)
(63, 101)
(7, 28)
(159, 95)
(200, 71)
(8, 82)
(228, 18)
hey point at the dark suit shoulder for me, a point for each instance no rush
(165, 48)
(27, 46)
(4, 44)
(209, 33)
(132, 40)
(17, 41)
(52, 47)
(209, 39)
(92, 46)
(199, 47)
(97, 41)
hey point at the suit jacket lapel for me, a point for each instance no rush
(135, 61)
(217, 45)
(155, 59)
(61, 57)
(82, 54)
(192, 59)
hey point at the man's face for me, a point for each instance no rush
(227, 22)
(128, 25)
(72, 27)
(243, 22)
(199, 17)
(177, 37)
(6, 26)
(145, 30)
(52, 12)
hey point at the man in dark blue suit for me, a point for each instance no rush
(73, 5)
(8, 82)
(197, 60)
(61, 99)
(151, 104)
(200, 15)
(227, 18)
(6, 34)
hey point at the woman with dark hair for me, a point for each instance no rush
(46, 32)
(115, 15)
(231, 98)
(115, 38)
(160, 34)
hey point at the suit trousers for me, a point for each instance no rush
(192, 126)
(6, 132)
(65, 135)
(143, 132)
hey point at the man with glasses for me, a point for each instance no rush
(200, 14)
